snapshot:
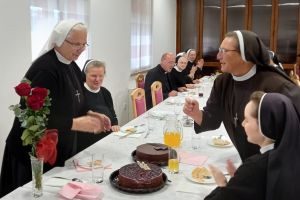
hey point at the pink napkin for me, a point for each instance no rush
(81, 191)
(192, 159)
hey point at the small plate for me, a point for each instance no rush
(160, 114)
(170, 101)
(211, 142)
(128, 129)
(210, 180)
(113, 179)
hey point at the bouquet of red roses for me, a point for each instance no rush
(32, 113)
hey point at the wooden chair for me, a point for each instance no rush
(140, 81)
(156, 93)
(138, 102)
(294, 75)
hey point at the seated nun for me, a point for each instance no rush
(272, 122)
(98, 99)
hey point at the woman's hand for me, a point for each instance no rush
(92, 122)
(219, 177)
(230, 168)
(191, 108)
(104, 120)
(115, 128)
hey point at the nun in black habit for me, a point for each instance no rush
(245, 65)
(179, 79)
(98, 99)
(274, 174)
(56, 70)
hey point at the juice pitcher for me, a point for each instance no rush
(173, 132)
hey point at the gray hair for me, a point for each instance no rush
(94, 64)
(233, 34)
(77, 27)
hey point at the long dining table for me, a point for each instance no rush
(118, 152)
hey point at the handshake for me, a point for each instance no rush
(93, 122)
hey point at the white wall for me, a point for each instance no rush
(15, 58)
(109, 31)
(164, 28)
(110, 36)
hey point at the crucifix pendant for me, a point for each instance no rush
(77, 94)
(235, 120)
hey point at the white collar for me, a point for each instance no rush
(247, 76)
(266, 148)
(91, 90)
(61, 58)
(177, 69)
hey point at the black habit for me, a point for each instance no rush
(228, 99)
(248, 182)
(100, 102)
(66, 91)
(280, 121)
(179, 78)
(157, 74)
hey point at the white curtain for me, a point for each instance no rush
(45, 14)
(141, 34)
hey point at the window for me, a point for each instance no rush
(275, 21)
(211, 29)
(141, 34)
(45, 14)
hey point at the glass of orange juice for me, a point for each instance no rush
(173, 161)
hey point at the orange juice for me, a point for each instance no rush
(173, 165)
(172, 139)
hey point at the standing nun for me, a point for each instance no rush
(57, 71)
(245, 65)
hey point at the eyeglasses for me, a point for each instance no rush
(223, 50)
(77, 45)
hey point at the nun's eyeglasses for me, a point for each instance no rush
(77, 45)
(223, 50)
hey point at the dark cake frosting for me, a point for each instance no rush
(133, 176)
(155, 153)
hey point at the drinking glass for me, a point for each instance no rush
(173, 161)
(98, 165)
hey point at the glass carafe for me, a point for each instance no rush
(173, 132)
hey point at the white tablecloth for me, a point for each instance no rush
(118, 152)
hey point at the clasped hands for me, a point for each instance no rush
(93, 122)
(219, 177)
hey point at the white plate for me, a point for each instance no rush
(160, 113)
(171, 101)
(188, 175)
(210, 142)
(87, 162)
(133, 129)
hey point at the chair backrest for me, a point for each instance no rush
(294, 75)
(138, 101)
(156, 93)
(140, 81)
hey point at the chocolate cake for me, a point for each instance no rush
(155, 153)
(135, 177)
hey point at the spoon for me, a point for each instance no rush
(73, 179)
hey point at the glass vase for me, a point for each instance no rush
(37, 176)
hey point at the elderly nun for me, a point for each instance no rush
(245, 65)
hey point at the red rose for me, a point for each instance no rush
(23, 89)
(46, 147)
(35, 102)
(41, 92)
